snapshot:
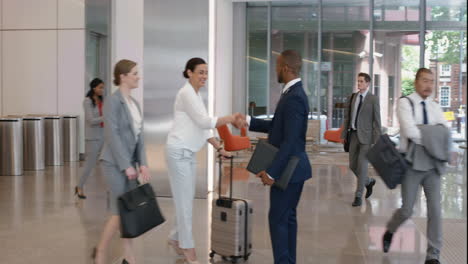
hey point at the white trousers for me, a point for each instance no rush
(181, 165)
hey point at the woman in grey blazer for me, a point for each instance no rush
(123, 152)
(94, 127)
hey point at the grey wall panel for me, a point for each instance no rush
(175, 31)
(239, 84)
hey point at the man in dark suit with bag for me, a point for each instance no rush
(287, 132)
(362, 128)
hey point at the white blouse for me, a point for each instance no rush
(136, 116)
(192, 125)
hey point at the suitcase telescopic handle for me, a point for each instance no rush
(221, 174)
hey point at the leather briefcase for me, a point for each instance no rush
(390, 164)
(263, 157)
(139, 211)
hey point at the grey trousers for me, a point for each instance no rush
(93, 148)
(430, 182)
(358, 162)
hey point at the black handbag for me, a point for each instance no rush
(390, 164)
(139, 211)
(348, 131)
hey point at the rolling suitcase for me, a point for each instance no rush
(231, 225)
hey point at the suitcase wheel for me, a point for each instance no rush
(233, 260)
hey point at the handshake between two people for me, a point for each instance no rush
(239, 120)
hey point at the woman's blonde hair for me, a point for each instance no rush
(122, 67)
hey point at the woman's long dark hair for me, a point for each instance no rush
(93, 84)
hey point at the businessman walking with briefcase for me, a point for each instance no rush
(422, 126)
(363, 128)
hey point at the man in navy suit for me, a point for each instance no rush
(287, 132)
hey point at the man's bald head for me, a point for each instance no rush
(293, 60)
(288, 66)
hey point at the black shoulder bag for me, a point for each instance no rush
(389, 163)
(139, 211)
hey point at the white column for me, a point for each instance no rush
(220, 67)
(223, 58)
(127, 37)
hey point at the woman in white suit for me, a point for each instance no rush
(94, 127)
(191, 129)
(123, 152)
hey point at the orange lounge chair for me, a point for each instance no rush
(233, 142)
(334, 135)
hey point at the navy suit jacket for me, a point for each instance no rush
(287, 131)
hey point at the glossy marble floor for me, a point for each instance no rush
(42, 222)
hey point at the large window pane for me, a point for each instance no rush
(446, 57)
(445, 47)
(396, 14)
(257, 20)
(295, 27)
(446, 10)
(396, 60)
(396, 53)
(345, 52)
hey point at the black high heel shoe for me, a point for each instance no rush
(94, 254)
(81, 196)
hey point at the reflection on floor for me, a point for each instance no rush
(41, 221)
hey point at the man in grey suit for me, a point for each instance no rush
(417, 112)
(362, 121)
